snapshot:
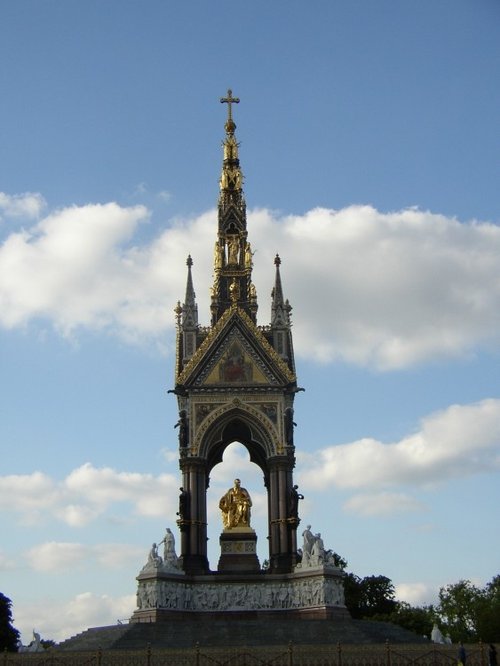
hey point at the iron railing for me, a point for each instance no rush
(288, 655)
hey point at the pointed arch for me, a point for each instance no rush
(242, 423)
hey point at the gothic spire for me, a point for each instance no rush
(280, 317)
(280, 309)
(188, 315)
(189, 301)
(233, 254)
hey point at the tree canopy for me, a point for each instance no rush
(465, 612)
(470, 613)
(369, 596)
(9, 636)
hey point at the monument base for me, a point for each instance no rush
(314, 593)
(238, 548)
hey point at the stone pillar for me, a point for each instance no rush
(282, 547)
(194, 527)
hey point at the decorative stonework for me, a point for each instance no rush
(317, 590)
(236, 362)
(238, 547)
(202, 410)
(203, 349)
(245, 406)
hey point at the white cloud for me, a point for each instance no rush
(170, 455)
(104, 486)
(386, 290)
(56, 556)
(59, 556)
(58, 620)
(459, 441)
(86, 493)
(377, 504)
(6, 562)
(400, 287)
(27, 206)
(417, 594)
(29, 494)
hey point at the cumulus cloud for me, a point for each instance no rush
(386, 290)
(27, 206)
(400, 287)
(459, 441)
(377, 504)
(61, 619)
(28, 494)
(85, 494)
(60, 556)
(105, 486)
(417, 594)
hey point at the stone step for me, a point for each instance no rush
(210, 632)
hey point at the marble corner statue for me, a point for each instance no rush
(34, 646)
(235, 506)
(169, 562)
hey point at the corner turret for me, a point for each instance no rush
(280, 319)
(188, 317)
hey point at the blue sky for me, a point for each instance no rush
(370, 143)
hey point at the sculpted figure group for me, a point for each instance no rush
(169, 561)
(313, 551)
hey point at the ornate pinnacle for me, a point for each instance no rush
(230, 125)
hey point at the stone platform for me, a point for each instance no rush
(252, 630)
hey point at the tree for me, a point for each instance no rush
(488, 613)
(458, 607)
(353, 594)
(339, 561)
(369, 596)
(9, 636)
(418, 619)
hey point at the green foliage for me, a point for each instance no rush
(339, 561)
(457, 609)
(9, 636)
(418, 619)
(369, 596)
(470, 613)
(488, 613)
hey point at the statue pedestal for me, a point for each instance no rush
(238, 547)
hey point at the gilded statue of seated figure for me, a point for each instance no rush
(235, 506)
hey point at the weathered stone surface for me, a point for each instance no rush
(248, 630)
(308, 590)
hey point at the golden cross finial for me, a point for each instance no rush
(229, 100)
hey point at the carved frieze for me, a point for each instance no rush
(321, 590)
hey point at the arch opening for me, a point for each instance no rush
(236, 463)
(237, 425)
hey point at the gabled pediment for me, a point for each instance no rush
(235, 354)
